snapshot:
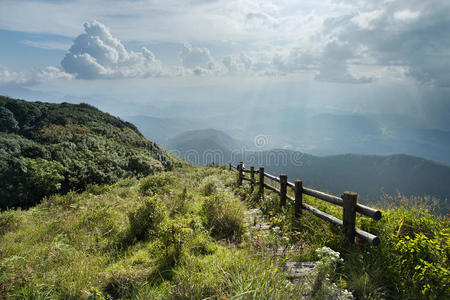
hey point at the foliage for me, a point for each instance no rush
(7, 121)
(146, 217)
(415, 251)
(47, 148)
(156, 184)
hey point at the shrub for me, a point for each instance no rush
(97, 189)
(9, 220)
(414, 253)
(156, 184)
(224, 216)
(147, 216)
(174, 234)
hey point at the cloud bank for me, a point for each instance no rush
(30, 78)
(96, 54)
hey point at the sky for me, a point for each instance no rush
(203, 58)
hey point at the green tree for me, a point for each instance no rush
(7, 121)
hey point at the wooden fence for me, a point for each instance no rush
(348, 202)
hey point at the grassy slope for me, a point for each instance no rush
(80, 245)
(189, 241)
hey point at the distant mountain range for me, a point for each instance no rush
(204, 146)
(371, 176)
(315, 132)
(161, 130)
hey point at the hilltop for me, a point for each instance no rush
(48, 148)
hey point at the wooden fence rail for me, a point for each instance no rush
(348, 202)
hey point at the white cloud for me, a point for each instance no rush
(96, 54)
(7, 76)
(52, 73)
(32, 77)
(406, 15)
(364, 19)
(241, 63)
(193, 57)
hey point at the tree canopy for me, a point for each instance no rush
(47, 148)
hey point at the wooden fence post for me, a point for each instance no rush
(240, 169)
(283, 189)
(252, 177)
(298, 197)
(349, 216)
(261, 182)
(229, 167)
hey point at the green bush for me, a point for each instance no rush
(174, 233)
(9, 220)
(146, 217)
(414, 253)
(97, 189)
(156, 184)
(224, 216)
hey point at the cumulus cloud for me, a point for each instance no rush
(28, 78)
(96, 54)
(199, 61)
(51, 73)
(241, 63)
(7, 76)
(195, 57)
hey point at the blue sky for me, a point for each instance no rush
(149, 57)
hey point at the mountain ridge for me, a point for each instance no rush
(374, 176)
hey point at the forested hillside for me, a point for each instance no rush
(47, 148)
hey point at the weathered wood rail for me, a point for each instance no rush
(348, 202)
